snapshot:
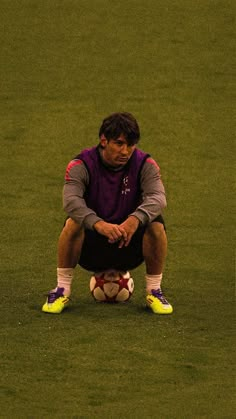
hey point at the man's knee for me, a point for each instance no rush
(155, 231)
(72, 229)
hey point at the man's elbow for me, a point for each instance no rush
(69, 206)
(162, 202)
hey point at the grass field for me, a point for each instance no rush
(65, 65)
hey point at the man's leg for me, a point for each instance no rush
(154, 252)
(70, 244)
(69, 249)
(155, 248)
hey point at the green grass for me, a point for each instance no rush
(66, 65)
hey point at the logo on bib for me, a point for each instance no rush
(125, 188)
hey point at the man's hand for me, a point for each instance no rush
(129, 226)
(113, 232)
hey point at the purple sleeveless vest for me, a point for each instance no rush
(113, 195)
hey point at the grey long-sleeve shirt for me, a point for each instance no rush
(77, 180)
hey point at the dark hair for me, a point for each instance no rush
(120, 123)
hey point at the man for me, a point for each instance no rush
(114, 196)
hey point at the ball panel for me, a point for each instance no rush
(123, 295)
(99, 294)
(130, 285)
(111, 286)
(92, 283)
(126, 275)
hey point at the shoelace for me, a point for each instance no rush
(52, 296)
(158, 294)
(55, 294)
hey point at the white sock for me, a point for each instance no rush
(64, 279)
(153, 282)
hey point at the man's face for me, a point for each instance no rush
(116, 152)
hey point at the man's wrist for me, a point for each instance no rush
(141, 216)
(139, 222)
(98, 224)
(90, 221)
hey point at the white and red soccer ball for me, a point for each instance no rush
(111, 286)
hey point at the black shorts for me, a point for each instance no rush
(98, 255)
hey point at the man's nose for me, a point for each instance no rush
(125, 149)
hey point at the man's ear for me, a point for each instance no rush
(103, 141)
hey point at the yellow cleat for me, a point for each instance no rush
(56, 302)
(158, 303)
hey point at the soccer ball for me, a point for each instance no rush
(111, 286)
